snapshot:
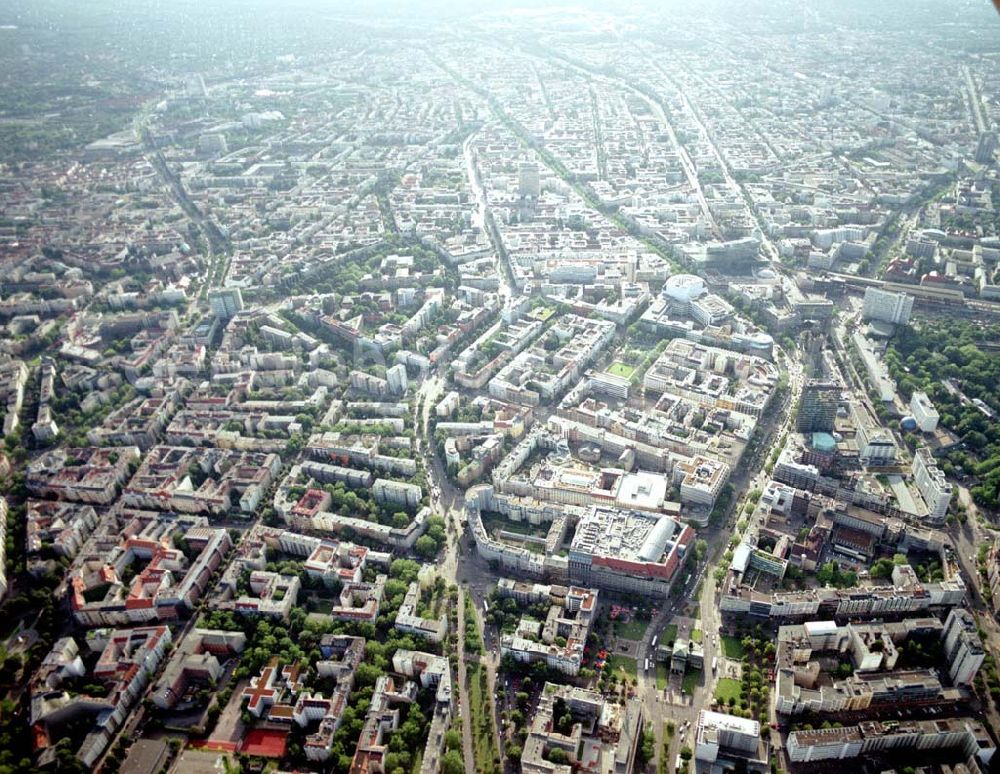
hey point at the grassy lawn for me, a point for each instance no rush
(492, 522)
(633, 630)
(436, 603)
(696, 635)
(733, 648)
(668, 635)
(473, 634)
(623, 663)
(483, 743)
(621, 369)
(668, 735)
(662, 675)
(727, 688)
(691, 679)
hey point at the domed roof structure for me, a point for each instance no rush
(824, 442)
(683, 287)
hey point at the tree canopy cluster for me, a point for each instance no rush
(922, 357)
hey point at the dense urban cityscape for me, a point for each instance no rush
(410, 388)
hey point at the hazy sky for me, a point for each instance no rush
(10, 10)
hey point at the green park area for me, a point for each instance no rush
(541, 313)
(662, 675)
(692, 679)
(733, 648)
(624, 664)
(956, 363)
(726, 689)
(630, 630)
(483, 741)
(621, 370)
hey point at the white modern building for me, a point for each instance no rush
(717, 731)
(711, 309)
(932, 484)
(683, 288)
(396, 377)
(398, 493)
(924, 412)
(963, 649)
(875, 368)
(447, 405)
(875, 446)
(891, 738)
(529, 184)
(824, 744)
(887, 306)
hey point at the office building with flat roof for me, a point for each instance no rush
(887, 306)
(226, 302)
(818, 406)
(719, 733)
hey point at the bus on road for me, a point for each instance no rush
(715, 664)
